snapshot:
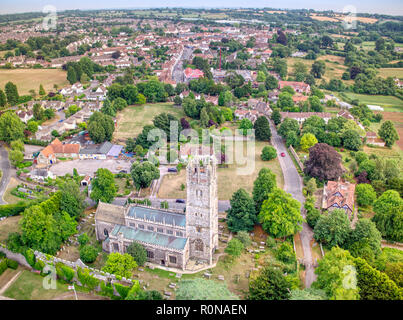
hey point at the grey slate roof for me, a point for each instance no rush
(97, 149)
(161, 216)
(152, 238)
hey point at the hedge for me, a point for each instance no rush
(39, 265)
(12, 264)
(86, 279)
(3, 266)
(122, 290)
(15, 209)
(30, 257)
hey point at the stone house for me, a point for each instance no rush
(338, 195)
(58, 150)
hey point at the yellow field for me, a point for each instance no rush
(27, 79)
(340, 17)
(391, 72)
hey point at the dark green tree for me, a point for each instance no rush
(241, 216)
(262, 129)
(270, 284)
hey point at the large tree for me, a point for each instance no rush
(351, 139)
(144, 173)
(242, 215)
(318, 69)
(120, 264)
(324, 162)
(3, 99)
(333, 228)
(263, 186)
(138, 252)
(103, 186)
(389, 215)
(11, 127)
(72, 200)
(308, 140)
(262, 129)
(270, 284)
(365, 232)
(280, 214)
(11, 93)
(288, 125)
(388, 133)
(100, 127)
(365, 194)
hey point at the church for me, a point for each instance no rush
(170, 238)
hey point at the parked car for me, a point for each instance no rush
(172, 170)
(282, 154)
(180, 201)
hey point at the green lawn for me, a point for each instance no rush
(389, 103)
(391, 72)
(29, 286)
(130, 121)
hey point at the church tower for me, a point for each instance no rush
(202, 207)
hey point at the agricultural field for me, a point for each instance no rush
(389, 103)
(27, 79)
(228, 179)
(391, 72)
(130, 121)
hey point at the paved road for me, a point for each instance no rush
(6, 169)
(293, 185)
(177, 73)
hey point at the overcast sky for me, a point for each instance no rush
(393, 7)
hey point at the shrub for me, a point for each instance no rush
(3, 266)
(30, 257)
(270, 242)
(88, 253)
(138, 252)
(39, 265)
(122, 290)
(268, 153)
(86, 279)
(12, 264)
(244, 237)
(234, 248)
(106, 289)
(286, 253)
(83, 239)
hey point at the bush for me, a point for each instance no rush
(268, 153)
(244, 237)
(86, 279)
(9, 210)
(39, 265)
(286, 253)
(270, 242)
(3, 266)
(30, 257)
(234, 248)
(12, 264)
(122, 290)
(83, 239)
(88, 253)
(138, 252)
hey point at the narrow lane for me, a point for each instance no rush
(6, 169)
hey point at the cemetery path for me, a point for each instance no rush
(293, 185)
(8, 284)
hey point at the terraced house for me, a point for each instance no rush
(170, 238)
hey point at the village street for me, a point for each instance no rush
(6, 169)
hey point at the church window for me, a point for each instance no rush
(141, 226)
(198, 229)
(179, 234)
(150, 228)
(150, 254)
(160, 230)
(172, 259)
(199, 245)
(170, 232)
(132, 225)
(106, 233)
(116, 247)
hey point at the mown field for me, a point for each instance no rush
(391, 72)
(27, 79)
(389, 103)
(130, 121)
(229, 179)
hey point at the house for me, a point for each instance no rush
(338, 195)
(58, 150)
(299, 87)
(25, 116)
(252, 115)
(191, 74)
(41, 174)
(86, 181)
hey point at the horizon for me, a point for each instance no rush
(388, 7)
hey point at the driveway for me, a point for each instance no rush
(293, 185)
(89, 167)
(6, 169)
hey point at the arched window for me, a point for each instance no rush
(106, 233)
(199, 245)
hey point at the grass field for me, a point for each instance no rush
(228, 179)
(9, 225)
(389, 103)
(130, 121)
(27, 79)
(7, 196)
(391, 72)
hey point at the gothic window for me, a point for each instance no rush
(172, 259)
(132, 225)
(150, 228)
(141, 226)
(199, 245)
(116, 247)
(179, 234)
(170, 232)
(150, 254)
(198, 229)
(106, 233)
(160, 230)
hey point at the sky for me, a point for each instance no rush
(392, 7)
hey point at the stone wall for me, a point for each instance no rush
(15, 256)
(295, 155)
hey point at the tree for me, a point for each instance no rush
(241, 216)
(395, 272)
(32, 126)
(280, 214)
(365, 194)
(120, 264)
(11, 93)
(88, 253)
(108, 108)
(333, 228)
(262, 129)
(119, 104)
(285, 253)
(83, 239)
(17, 145)
(71, 75)
(308, 294)
(263, 186)
(351, 139)
(276, 116)
(100, 127)
(72, 200)
(389, 215)
(388, 133)
(3, 99)
(288, 125)
(365, 231)
(204, 118)
(308, 140)
(202, 289)
(336, 275)
(234, 248)
(138, 252)
(268, 153)
(375, 285)
(324, 162)
(318, 69)
(42, 91)
(311, 186)
(270, 284)
(103, 186)
(144, 173)
(244, 237)
(11, 127)
(178, 100)
(271, 82)
(164, 120)
(245, 125)
(16, 157)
